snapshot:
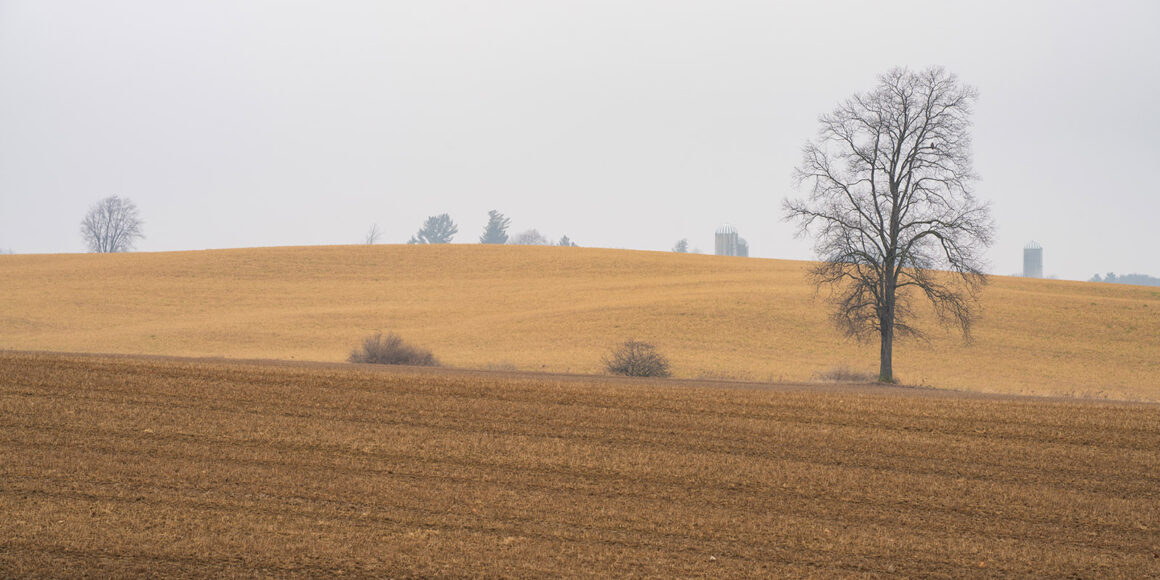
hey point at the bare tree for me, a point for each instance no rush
(112, 225)
(532, 237)
(890, 203)
(438, 229)
(496, 230)
(373, 235)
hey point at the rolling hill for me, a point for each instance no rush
(558, 310)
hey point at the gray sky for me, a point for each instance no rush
(622, 123)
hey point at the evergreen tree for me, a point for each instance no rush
(438, 229)
(496, 230)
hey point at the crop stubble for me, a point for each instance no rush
(142, 466)
(560, 310)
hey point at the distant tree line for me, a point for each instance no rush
(1137, 279)
(441, 229)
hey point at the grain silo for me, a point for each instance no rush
(1033, 260)
(725, 243)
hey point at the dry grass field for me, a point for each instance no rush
(559, 310)
(132, 466)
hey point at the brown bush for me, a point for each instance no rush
(634, 358)
(390, 349)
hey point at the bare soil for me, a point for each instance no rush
(133, 466)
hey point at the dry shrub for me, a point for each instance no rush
(390, 349)
(844, 374)
(634, 358)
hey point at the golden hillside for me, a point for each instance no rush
(559, 309)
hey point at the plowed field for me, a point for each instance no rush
(130, 466)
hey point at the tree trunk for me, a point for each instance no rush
(886, 360)
(886, 329)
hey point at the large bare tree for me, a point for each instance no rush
(112, 225)
(891, 208)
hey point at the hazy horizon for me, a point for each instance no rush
(619, 124)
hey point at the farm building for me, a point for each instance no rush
(1033, 260)
(728, 243)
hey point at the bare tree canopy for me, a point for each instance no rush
(531, 237)
(496, 230)
(438, 229)
(112, 225)
(373, 234)
(890, 203)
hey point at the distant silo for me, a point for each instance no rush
(1033, 261)
(726, 242)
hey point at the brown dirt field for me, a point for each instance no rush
(133, 466)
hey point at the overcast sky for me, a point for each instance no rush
(625, 124)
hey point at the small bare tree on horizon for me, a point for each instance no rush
(111, 225)
(531, 237)
(373, 235)
(890, 203)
